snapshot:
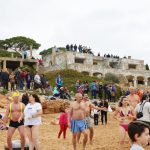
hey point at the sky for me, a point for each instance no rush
(119, 27)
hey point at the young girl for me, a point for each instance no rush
(124, 114)
(63, 122)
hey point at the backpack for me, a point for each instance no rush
(140, 113)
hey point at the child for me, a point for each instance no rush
(63, 122)
(96, 114)
(139, 134)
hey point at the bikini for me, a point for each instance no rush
(30, 126)
(125, 126)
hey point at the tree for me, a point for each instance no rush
(2, 44)
(19, 43)
(49, 50)
(147, 67)
(109, 77)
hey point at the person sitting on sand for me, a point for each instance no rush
(124, 114)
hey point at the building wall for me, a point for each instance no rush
(98, 65)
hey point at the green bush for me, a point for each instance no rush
(111, 78)
(69, 78)
(4, 91)
(28, 68)
(49, 50)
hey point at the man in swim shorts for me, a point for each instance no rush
(88, 107)
(77, 116)
(15, 113)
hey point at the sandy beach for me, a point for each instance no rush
(105, 136)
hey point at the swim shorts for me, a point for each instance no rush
(88, 122)
(78, 126)
(16, 124)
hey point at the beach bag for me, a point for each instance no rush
(140, 113)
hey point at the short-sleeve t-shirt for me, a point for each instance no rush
(30, 110)
(136, 147)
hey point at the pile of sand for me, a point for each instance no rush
(54, 106)
(106, 137)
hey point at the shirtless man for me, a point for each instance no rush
(133, 98)
(15, 113)
(77, 117)
(88, 107)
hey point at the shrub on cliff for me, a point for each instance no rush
(111, 78)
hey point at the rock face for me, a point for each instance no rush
(3, 101)
(54, 106)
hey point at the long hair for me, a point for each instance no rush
(37, 99)
(144, 97)
(121, 100)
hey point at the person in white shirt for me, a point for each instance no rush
(37, 81)
(32, 120)
(139, 134)
(144, 107)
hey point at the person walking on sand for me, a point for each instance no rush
(124, 114)
(63, 122)
(88, 107)
(32, 117)
(77, 117)
(15, 112)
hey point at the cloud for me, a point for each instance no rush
(107, 26)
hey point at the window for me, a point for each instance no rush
(95, 63)
(79, 60)
(132, 66)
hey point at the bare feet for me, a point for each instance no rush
(91, 143)
(79, 142)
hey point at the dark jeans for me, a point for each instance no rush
(93, 94)
(21, 84)
(12, 86)
(113, 98)
(95, 119)
(109, 97)
(5, 85)
(100, 94)
(104, 116)
(28, 84)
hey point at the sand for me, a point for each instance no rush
(105, 136)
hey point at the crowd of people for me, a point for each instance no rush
(111, 56)
(97, 90)
(133, 112)
(22, 80)
(128, 110)
(80, 48)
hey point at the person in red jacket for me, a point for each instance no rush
(63, 122)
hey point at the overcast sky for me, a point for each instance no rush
(120, 27)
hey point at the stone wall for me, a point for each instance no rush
(96, 65)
